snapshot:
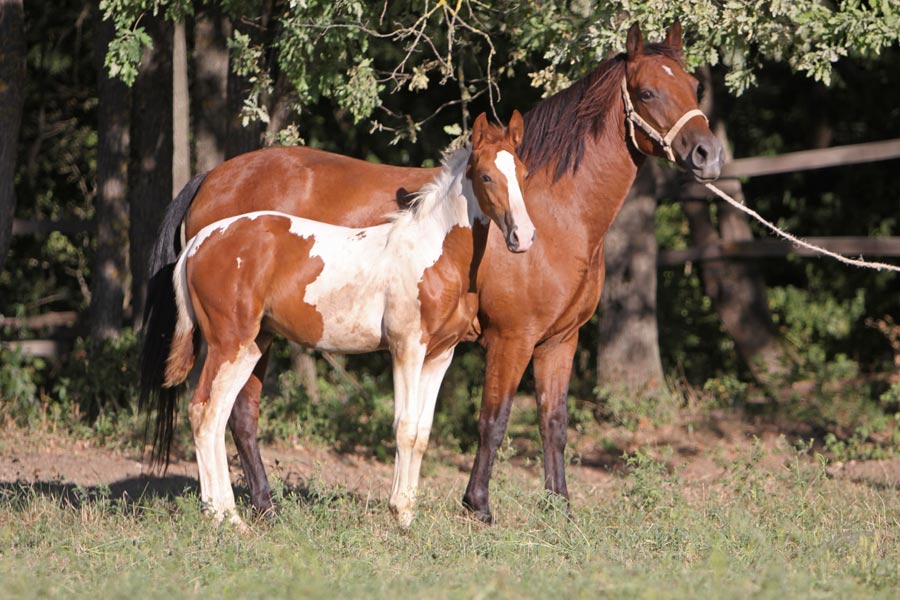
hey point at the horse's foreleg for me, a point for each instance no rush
(223, 376)
(505, 363)
(407, 367)
(244, 421)
(552, 371)
(433, 372)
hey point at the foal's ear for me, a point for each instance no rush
(673, 37)
(516, 128)
(634, 45)
(479, 129)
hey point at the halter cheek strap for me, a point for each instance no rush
(632, 118)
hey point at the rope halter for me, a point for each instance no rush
(632, 118)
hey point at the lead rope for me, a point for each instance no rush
(632, 118)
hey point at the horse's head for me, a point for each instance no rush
(498, 178)
(663, 118)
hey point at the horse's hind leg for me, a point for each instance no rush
(224, 374)
(243, 422)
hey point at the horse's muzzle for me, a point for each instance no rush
(705, 160)
(516, 241)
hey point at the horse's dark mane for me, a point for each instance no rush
(555, 129)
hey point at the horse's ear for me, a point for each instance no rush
(673, 37)
(516, 129)
(479, 129)
(634, 45)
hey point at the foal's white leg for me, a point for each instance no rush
(407, 366)
(430, 384)
(208, 421)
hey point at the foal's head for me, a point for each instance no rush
(666, 98)
(498, 178)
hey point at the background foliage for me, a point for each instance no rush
(397, 81)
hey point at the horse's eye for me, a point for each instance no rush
(646, 95)
(486, 178)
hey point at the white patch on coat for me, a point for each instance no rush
(367, 292)
(525, 228)
(668, 70)
(239, 261)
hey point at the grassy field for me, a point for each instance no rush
(757, 531)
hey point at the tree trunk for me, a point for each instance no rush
(209, 89)
(240, 139)
(303, 362)
(150, 170)
(110, 268)
(736, 288)
(628, 358)
(181, 113)
(12, 82)
(279, 108)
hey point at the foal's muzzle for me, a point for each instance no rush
(517, 239)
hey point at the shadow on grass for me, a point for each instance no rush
(138, 491)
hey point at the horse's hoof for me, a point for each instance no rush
(481, 514)
(265, 514)
(238, 523)
(404, 518)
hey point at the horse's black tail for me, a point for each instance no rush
(160, 314)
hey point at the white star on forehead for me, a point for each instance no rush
(668, 70)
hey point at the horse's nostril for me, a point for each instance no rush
(700, 155)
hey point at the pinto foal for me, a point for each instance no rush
(406, 286)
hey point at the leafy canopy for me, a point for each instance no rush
(358, 53)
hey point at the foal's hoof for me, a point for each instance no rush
(223, 516)
(238, 524)
(404, 515)
(404, 519)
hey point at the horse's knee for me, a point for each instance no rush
(406, 434)
(421, 442)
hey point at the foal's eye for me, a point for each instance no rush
(646, 95)
(486, 178)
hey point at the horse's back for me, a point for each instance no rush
(305, 182)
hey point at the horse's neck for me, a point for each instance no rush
(454, 229)
(450, 203)
(604, 176)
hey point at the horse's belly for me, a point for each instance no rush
(351, 322)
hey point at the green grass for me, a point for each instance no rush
(755, 533)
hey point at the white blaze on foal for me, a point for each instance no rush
(524, 228)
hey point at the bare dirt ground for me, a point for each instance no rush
(699, 452)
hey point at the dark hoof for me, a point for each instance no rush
(482, 514)
(263, 507)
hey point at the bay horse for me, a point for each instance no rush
(407, 286)
(582, 147)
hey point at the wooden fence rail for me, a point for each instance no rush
(764, 248)
(812, 159)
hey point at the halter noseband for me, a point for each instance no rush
(632, 118)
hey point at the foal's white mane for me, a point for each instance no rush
(440, 198)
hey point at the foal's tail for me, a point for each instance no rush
(160, 314)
